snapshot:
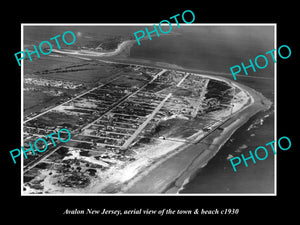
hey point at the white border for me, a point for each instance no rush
(151, 24)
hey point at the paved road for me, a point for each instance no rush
(150, 117)
(47, 154)
(144, 124)
(125, 98)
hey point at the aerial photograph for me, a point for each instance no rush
(160, 118)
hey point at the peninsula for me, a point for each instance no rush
(140, 129)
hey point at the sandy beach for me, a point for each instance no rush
(122, 48)
(172, 172)
(166, 166)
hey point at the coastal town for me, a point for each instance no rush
(121, 126)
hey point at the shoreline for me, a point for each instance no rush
(122, 47)
(173, 170)
(181, 164)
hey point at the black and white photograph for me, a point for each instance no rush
(149, 111)
(148, 115)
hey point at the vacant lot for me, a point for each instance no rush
(89, 73)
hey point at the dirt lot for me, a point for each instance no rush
(88, 73)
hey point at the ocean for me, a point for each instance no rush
(215, 49)
(218, 175)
